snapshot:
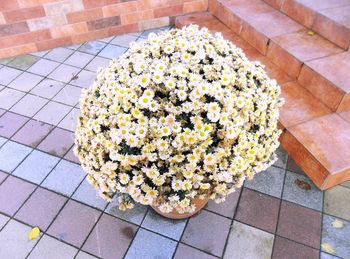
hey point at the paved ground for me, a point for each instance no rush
(42, 185)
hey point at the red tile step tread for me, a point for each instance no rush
(314, 136)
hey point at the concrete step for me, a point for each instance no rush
(311, 130)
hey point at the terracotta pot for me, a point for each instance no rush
(175, 215)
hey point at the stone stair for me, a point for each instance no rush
(311, 71)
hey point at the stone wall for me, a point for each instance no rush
(34, 25)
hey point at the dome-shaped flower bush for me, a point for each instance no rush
(184, 114)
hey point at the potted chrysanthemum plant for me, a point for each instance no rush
(176, 120)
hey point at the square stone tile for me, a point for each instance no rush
(3, 220)
(40, 53)
(258, 210)
(186, 252)
(43, 67)
(68, 95)
(74, 46)
(92, 47)
(41, 208)
(64, 73)
(248, 242)
(149, 245)
(124, 40)
(71, 156)
(83, 255)
(8, 97)
(14, 241)
(2, 111)
(346, 184)
(11, 154)
(10, 123)
(269, 181)
(110, 238)
(4, 61)
(208, 232)
(226, 208)
(25, 82)
(145, 34)
(96, 63)
(58, 142)
(32, 133)
(107, 39)
(167, 227)
(70, 121)
(282, 158)
(293, 167)
(86, 193)
(336, 236)
(3, 175)
(23, 62)
(65, 178)
(312, 198)
(79, 59)
(112, 51)
(336, 202)
(36, 166)
(13, 193)
(52, 113)
(134, 215)
(300, 224)
(49, 247)
(287, 249)
(7, 74)
(328, 256)
(47, 88)
(29, 105)
(59, 54)
(74, 223)
(84, 79)
(2, 141)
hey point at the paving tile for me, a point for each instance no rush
(269, 181)
(149, 245)
(40, 53)
(134, 215)
(145, 34)
(11, 154)
(74, 223)
(59, 54)
(71, 156)
(110, 238)
(25, 82)
(47, 88)
(65, 178)
(208, 232)
(84, 79)
(79, 59)
(112, 51)
(4, 61)
(2, 111)
(14, 241)
(336, 236)
(312, 198)
(83, 255)
(52, 113)
(2, 141)
(7, 74)
(346, 184)
(124, 40)
(300, 224)
(86, 193)
(49, 247)
(70, 121)
(258, 210)
(64, 73)
(10, 123)
(228, 207)
(13, 193)
(36, 166)
(3, 220)
(186, 252)
(43, 67)
(248, 242)
(282, 158)
(58, 142)
(68, 95)
(336, 202)
(74, 46)
(29, 105)
(287, 249)
(8, 97)
(167, 227)
(3, 175)
(107, 39)
(41, 208)
(92, 47)
(327, 256)
(293, 167)
(23, 62)
(32, 133)
(96, 63)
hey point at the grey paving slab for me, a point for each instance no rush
(8, 97)
(29, 105)
(25, 82)
(47, 88)
(282, 158)
(64, 73)
(23, 62)
(336, 202)
(83, 255)
(3, 220)
(52, 113)
(96, 63)
(87, 194)
(92, 47)
(84, 79)
(40, 53)
(112, 51)
(11, 154)
(70, 121)
(43, 67)
(2, 141)
(59, 54)
(79, 59)
(124, 40)
(68, 95)
(7, 74)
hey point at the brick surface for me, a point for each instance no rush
(103, 23)
(24, 14)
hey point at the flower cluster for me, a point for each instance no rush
(184, 114)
